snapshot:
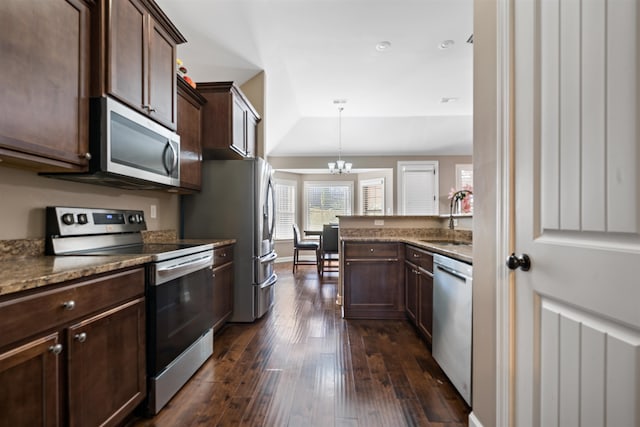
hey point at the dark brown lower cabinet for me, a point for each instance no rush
(74, 354)
(373, 281)
(29, 375)
(106, 372)
(223, 282)
(419, 289)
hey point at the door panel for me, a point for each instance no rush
(577, 188)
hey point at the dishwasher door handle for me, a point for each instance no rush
(452, 272)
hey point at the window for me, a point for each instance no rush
(464, 176)
(324, 200)
(285, 209)
(372, 196)
(418, 188)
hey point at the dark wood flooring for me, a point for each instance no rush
(303, 365)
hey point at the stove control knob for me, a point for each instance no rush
(82, 218)
(139, 218)
(68, 218)
(132, 219)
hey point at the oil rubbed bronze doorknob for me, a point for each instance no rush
(523, 262)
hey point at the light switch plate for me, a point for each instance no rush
(153, 212)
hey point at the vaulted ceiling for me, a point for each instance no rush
(316, 51)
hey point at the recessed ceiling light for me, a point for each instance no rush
(446, 44)
(447, 100)
(382, 46)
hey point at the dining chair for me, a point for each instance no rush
(304, 245)
(329, 258)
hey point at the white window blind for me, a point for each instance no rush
(372, 196)
(418, 188)
(285, 209)
(325, 200)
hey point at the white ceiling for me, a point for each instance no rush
(316, 51)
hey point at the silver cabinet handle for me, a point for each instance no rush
(416, 256)
(56, 349)
(371, 249)
(69, 305)
(85, 156)
(81, 337)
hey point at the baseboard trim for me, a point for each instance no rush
(474, 421)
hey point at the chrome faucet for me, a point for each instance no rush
(458, 195)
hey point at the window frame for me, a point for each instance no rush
(371, 182)
(417, 165)
(290, 183)
(305, 197)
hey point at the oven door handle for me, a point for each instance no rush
(164, 274)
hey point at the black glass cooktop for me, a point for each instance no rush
(159, 251)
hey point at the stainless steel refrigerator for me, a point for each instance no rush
(237, 202)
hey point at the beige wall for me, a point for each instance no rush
(24, 196)
(447, 169)
(485, 212)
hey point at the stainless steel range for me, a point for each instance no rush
(179, 289)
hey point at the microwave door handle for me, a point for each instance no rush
(174, 157)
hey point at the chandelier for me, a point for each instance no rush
(340, 166)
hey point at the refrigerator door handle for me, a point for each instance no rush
(268, 258)
(272, 280)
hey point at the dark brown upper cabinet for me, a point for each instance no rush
(135, 57)
(229, 122)
(190, 104)
(44, 107)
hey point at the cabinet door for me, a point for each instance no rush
(44, 107)
(29, 393)
(222, 294)
(411, 291)
(106, 370)
(189, 129)
(127, 52)
(252, 135)
(425, 308)
(238, 117)
(162, 76)
(374, 290)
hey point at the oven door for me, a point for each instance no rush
(180, 307)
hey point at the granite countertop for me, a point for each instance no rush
(461, 252)
(21, 273)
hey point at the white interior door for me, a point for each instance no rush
(577, 204)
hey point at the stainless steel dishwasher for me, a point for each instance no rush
(452, 321)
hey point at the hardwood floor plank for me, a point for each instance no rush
(303, 365)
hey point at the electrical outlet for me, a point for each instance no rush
(378, 222)
(153, 212)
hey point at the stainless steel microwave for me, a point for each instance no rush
(128, 149)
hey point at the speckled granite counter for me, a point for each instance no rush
(461, 252)
(19, 273)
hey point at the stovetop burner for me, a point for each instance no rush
(91, 231)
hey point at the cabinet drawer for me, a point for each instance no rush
(371, 250)
(222, 255)
(40, 311)
(419, 257)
